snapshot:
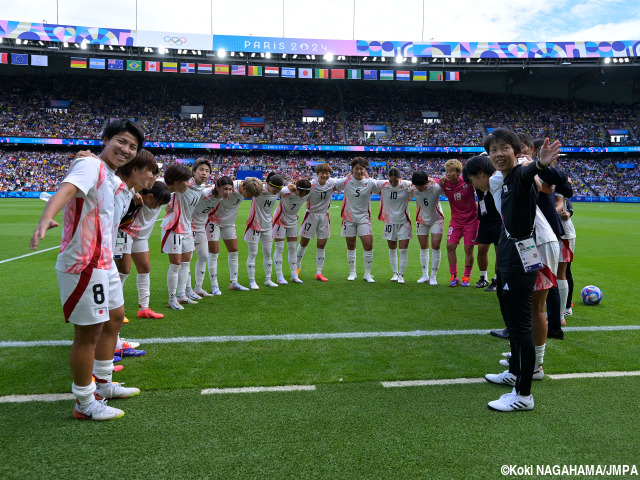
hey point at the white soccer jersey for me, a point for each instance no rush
(356, 205)
(286, 214)
(544, 232)
(143, 223)
(88, 218)
(260, 214)
(319, 198)
(183, 205)
(201, 213)
(567, 225)
(394, 202)
(428, 208)
(225, 213)
(123, 197)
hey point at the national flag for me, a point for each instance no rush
(419, 76)
(403, 75)
(76, 62)
(255, 71)
(170, 67)
(452, 76)
(97, 63)
(305, 73)
(288, 72)
(205, 68)
(436, 76)
(40, 60)
(371, 74)
(386, 74)
(115, 64)
(151, 66)
(187, 68)
(222, 69)
(271, 71)
(134, 65)
(354, 74)
(19, 59)
(4, 58)
(322, 73)
(337, 73)
(238, 70)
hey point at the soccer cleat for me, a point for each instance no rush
(557, 334)
(466, 281)
(148, 313)
(433, 280)
(455, 281)
(298, 271)
(367, 277)
(512, 402)
(203, 293)
(173, 303)
(321, 277)
(394, 278)
(504, 378)
(126, 320)
(270, 283)
(238, 287)
(118, 368)
(493, 286)
(296, 280)
(568, 312)
(130, 352)
(482, 283)
(423, 279)
(253, 285)
(502, 333)
(281, 281)
(117, 359)
(538, 373)
(563, 322)
(186, 300)
(400, 278)
(193, 295)
(111, 390)
(352, 276)
(215, 291)
(126, 344)
(98, 410)
(506, 354)
(504, 362)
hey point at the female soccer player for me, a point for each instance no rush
(285, 225)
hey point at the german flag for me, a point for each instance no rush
(78, 62)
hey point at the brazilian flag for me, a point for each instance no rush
(134, 65)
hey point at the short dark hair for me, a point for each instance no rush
(359, 161)
(176, 173)
(394, 172)
(144, 160)
(475, 165)
(221, 182)
(537, 143)
(303, 184)
(526, 139)
(201, 161)
(275, 180)
(124, 125)
(419, 178)
(503, 135)
(159, 191)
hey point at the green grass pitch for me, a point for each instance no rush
(350, 427)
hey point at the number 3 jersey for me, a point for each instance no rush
(225, 213)
(286, 214)
(356, 205)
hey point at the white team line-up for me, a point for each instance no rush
(305, 336)
(55, 397)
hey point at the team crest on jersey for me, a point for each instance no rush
(505, 189)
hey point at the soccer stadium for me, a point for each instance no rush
(327, 373)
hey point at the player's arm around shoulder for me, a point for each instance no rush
(56, 203)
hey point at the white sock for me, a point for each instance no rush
(202, 250)
(232, 261)
(84, 395)
(266, 243)
(483, 274)
(172, 280)
(103, 370)
(351, 259)
(123, 278)
(213, 267)
(300, 255)
(277, 258)
(403, 259)
(563, 290)
(435, 261)
(393, 260)
(539, 356)
(368, 261)
(319, 260)
(252, 253)
(118, 343)
(291, 258)
(424, 261)
(143, 282)
(183, 278)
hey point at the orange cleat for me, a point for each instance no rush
(148, 313)
(321, 277)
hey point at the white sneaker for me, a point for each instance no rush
(433, 280)
(512, 402)
(98, 410)
(202, 293)
(400, 278)
(367, 277)
(568, 312)
(131, 344)
(115, 390)
(253, 285)
(395, 277)
(270, 283)
(193, 295)
(423, 279)
(352, 276)
(506, 354)
(538, 373)
(173, 303)
(281, 281)
(215, 291)
(504, 378)
(504, 362)
(186, 301)
(238, 287)
(296, 280)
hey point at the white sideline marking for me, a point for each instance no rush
(424, 383)
(282, 388)
(304, 336)
(563, 376)
(45, 397)
(28, 254)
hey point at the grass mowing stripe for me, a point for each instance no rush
(280, 388)
(29, 254)
(563, 376)
(307, 336)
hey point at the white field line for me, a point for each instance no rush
(303, 336)
(564, 376)
(281, 388)
(46, 397)
(28, 254)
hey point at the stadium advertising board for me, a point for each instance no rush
(185, 41)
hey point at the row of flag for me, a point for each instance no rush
(23, 59)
